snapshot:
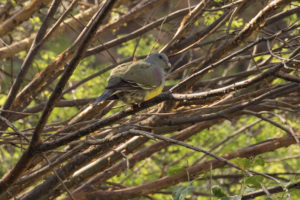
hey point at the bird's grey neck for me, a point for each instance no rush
(152, 61)
(155, 64)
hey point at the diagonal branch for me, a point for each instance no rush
(35, 47)
(187, 22)
(191, 173)
(84, 39)
(256, 23)
(21, 16)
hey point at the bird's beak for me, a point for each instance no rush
(169, 65)
(169, 68)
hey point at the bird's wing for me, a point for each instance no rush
(142, 74)
(123, 85)
(138, 75)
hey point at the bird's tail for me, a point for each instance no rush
(105, 95)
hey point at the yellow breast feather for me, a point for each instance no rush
(153, 93)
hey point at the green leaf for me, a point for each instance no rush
(259, 161)
(254, 181)
(14, 3)
(217, 191)
(242, 162)
(181, 192)
(173, 170)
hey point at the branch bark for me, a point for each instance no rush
(84, 38)
(191, 172)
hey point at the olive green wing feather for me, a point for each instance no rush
(135, 76)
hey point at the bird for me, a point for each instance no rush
(135, 82)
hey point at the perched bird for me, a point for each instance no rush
(135, 82)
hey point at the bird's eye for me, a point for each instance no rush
(160, 57)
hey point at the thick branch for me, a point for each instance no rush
(84, 38)
(38, 41)
(22, 16)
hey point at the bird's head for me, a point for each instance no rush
(159, 59)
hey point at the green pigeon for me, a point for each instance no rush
(135, 82)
